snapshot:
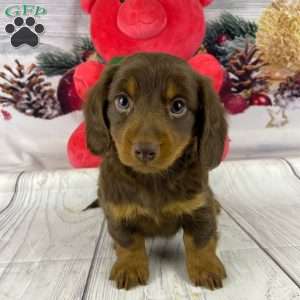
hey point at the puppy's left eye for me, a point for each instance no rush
(123, 103)
(178, 108)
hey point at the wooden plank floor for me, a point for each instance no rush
(50, 249)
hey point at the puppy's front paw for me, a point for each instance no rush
(207, 274)
(128, 274)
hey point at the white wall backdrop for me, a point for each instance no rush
(250, 9)
(66, 20)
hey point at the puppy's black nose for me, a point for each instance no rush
(145, 152)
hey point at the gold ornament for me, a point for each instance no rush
(278, 117)
(275, 75)
(278, 35)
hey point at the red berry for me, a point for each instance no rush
(6, 115)
(260, 99)
(221, 39)
(67, 95)
(234, 103)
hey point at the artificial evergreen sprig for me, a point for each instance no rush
(232, 27)
(59, 62)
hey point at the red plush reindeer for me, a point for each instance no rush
(122, 28)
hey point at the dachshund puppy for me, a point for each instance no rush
(160, 128)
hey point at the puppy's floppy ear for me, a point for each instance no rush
(95, 113)
(211, 125)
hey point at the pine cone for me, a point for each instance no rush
(27, 90)
(243, 67)
(288, 91)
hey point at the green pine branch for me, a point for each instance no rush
(82, 45)
(57, 63)
(230, 25)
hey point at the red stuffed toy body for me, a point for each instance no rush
(122, 29)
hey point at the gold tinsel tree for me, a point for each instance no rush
(278, 36)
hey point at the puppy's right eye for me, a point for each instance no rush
(178, 108)
(123, 103)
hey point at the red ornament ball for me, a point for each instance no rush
(222, 39)
(67, 95)
(235, 103)
(260, 99)
(226, 86)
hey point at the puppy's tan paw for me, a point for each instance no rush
(209, 274)
(128, 274)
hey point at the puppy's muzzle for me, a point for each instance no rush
(145, 152)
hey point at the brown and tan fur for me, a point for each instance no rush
(158, 197)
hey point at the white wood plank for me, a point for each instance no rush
(8, 184)
(249, 269)
(264, 197)
(63, 279)
(46, 244)
(295, 164)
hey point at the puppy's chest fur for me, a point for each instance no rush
(152, 204)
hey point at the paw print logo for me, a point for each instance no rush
(24, 32)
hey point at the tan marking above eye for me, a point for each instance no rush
(171, 91)
(131, 87)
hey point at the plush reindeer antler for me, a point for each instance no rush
(87, 5)
(206, 2)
